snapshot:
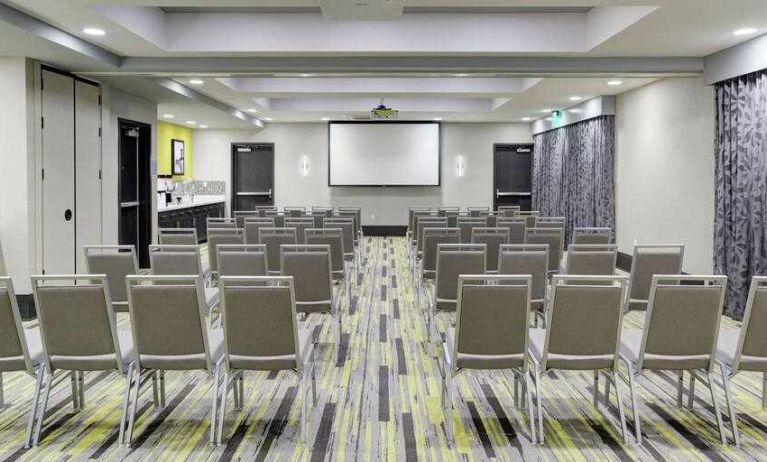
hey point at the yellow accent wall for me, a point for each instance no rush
(165, 133)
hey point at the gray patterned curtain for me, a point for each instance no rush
(740, 240)
(573, 174)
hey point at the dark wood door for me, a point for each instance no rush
(512, 175)
(252, 175)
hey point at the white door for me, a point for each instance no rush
(58, 152)
(87, 169)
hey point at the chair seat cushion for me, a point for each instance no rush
(631, 342)
(34, 345)
(125, 337)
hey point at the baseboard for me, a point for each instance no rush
(384, 230)
(26, 306)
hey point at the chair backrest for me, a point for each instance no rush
(427, 222)
(242, 215)
(591, 259)
(168, 322)
(294, 212)
(554, 237)
(77, 324)
(587, 235)
(432, 238)
(14, 353)
(516, 226)
(177, 236)
(278, 217)
(476, 211)
(550, 222)
(168, 260)
(414, 212)
(334, 237)
(682, 322)
(530, 216)
(326, 211)
(493, 238)
(649, 260)
(447, 208)
(252, 225)
(491, 322)
(466, 224)
(242, 260)
(492, 217)
(116, 261)
(312, 276)
(220, 223)
(273, 238)
(258, 315)
(300, 224)
(357, 211)
(347, 226)
(454, 260)
(751, 351)
(216, 237)
(509, 210)
(317, 216)
(584, 322)
(452, 217)
(262, 209)
(532, 259)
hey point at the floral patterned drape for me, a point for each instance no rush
(573, 174)
(740, 239)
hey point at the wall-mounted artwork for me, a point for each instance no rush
(177, 159)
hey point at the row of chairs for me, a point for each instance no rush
(585, 332)
(77, 331)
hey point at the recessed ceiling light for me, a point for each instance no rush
(307, 75)
(268, 119)
(326, 118)
(203, 126)
(547, 110)
(168, 116)
(615, 82)
(744, 31)
(437, 119)
(576, 98)
(252, 110)
(94, 31)
(460, 75)
(526, 119)
(191, 122)
(196, 81)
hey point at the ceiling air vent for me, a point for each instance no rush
(361, 9)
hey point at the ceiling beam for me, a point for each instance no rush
(176, 87)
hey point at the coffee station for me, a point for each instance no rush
(188, 203)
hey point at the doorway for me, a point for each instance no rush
(252, 175)
(512, 173)
(135, 221)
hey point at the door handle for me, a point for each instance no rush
(255, 193)
(67, 214)
(499, 193)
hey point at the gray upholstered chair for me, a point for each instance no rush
(310, 267)
(346, 224)
(423, 223)
(475, 212)
(327, 211)
(532, 259)
(252, 225)
(591, 259)
(242, 215)
(20, 349)
(357, 214)
(680, 334)
(170, 333)
(300, 224)
(222, 236)
(220, 222)
(490, 334)
(273, 238)
(79, 333)
(182, 260)
(278, 217)
(554, 238)
(530, 215)
(294, 212)
(432, 238)
(493, 238)
(590, 235)
(262, 209)
(117, 262)
(466, 224)
(413, 215)
(317, 216)
(509, 210)
(647, 261)
(443, 209)
(745, 348)
(491, 217)
(516, 226)
(334, 237)
(261, 334)
(242, 260)
(177, 236)
(584, 333)
(550, 222)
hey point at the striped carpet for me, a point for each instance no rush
(379, 399)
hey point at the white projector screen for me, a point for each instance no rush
(383, 154)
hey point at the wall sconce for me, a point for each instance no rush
(460, 166)
(304, 166)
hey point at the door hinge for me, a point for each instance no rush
(42, 173)
(99, 174)
(99, 132)
(99, 100)
(42, 122)
(42, 84)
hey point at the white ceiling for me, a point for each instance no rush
(462, 60)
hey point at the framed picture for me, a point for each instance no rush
(177, 156)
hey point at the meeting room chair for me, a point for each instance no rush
(262, 209)
(300, 224)
(116, 262)
(278, 217)
(21, 349)
(744, 349)
(334, 237)
(169, 260)
(170, 333)
(550, 222)
(310, 267)
(647, 261)
(262, 334)
(554, 238)
(356, 215)
(414, 214)
(475, 212)
(346, 224)
(584, 321)
(294, 212)
(241, 260)
(252, 225)
(591, 235)
(79, 333)
(591, 259)
(453, 260)
(680, 334)
(177, 236)
(423, 223)
(323, 209)
(531, 217)
(491, 217)
(493, 238)
(516, 227)
(222, 236)
(441, 210)
(490, 334)
(532, 259)
(432, 238)
(242, 215)
(317, 216)
(220, 223)
(508, 210)
(466, 224)
(273, 238)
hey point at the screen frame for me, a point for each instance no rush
(409, 122)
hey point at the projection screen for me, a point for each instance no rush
(383, 154)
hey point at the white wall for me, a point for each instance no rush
(664, 168)
(381, 206)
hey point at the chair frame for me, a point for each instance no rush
(632, 272)
(88, 249)
(177, 231)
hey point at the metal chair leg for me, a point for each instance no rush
(81, 388)
(2, 398)
(214, 404)
(155, 391)
(619, 402)
(133, 406)
(448, 406)
(718, 414)
(33, 411)
(679, 388)
(764, 390)
(730, 405)
(691, 392)
(162, 389)
(596, 388)
(41, 415)
(539, 400)
(126, 400)
(75, 391)
(222, 410)
(634, 407)
(530, 408)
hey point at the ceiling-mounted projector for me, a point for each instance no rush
(361, 9)
(381, 112)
